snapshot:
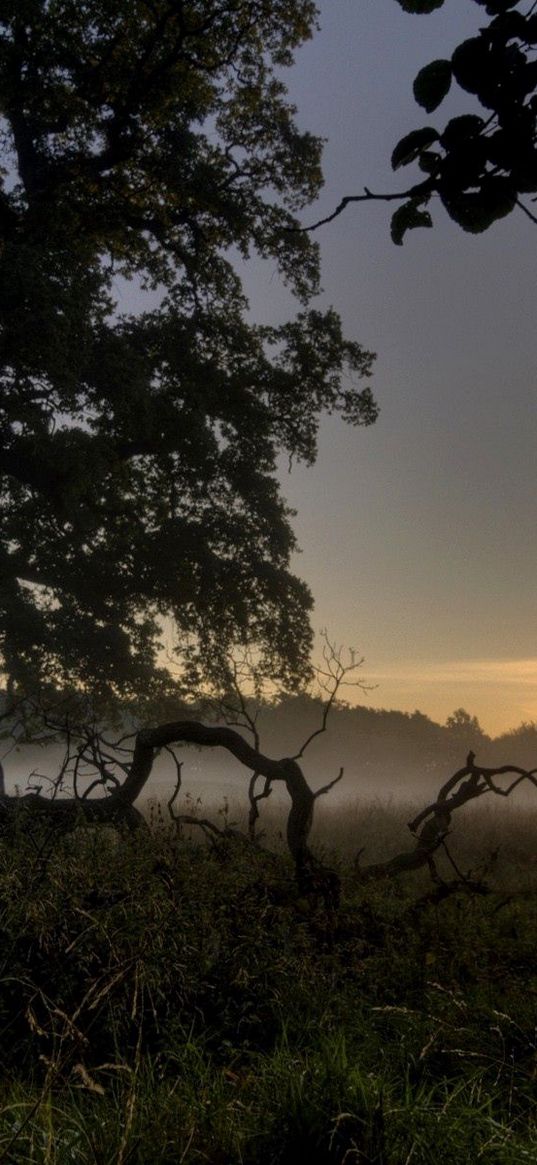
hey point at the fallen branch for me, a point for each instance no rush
(429, 828)
(467, 784)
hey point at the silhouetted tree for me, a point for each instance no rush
(147, 142)
(465, 730)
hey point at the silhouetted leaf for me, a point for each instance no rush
(524, 173)
(461, 129)
(406, 218)
(482, 164)
(464, 168)
(499, 151)
(475, 211)
(428, 161)
(526, 77)
(432, 84)
(511, 25)
(530, 34)
(412, 144)
(420, 6)
(512, 145)
(474, 68)
(494, 7)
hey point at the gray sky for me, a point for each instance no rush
(418, 534)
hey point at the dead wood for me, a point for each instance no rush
(429, 828)
(467, 784)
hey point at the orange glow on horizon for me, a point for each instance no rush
(502, 693)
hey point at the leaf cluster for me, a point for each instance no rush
(477, 165)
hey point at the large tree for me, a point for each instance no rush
(152, 140)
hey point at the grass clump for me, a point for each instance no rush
(164, 1001)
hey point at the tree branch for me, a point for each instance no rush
(254, 799)
(330, 679)
(433, 823)
(330, 785)
(527, 212)
(422, 189)
(435, 819)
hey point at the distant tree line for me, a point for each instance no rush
(380, 744)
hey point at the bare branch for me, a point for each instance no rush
(241, 671)
(435, 819)
(330, 679)
(480, 780)
(177, 787)
(254, 799)
(210, 830)
(422, 189)
(330, 785)
(430, 827)
(527, 212)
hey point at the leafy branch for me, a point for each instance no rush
(479, 167)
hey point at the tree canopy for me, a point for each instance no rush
(153, 141)
(479, 165)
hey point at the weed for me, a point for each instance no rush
(163, 1000)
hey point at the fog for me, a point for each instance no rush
(385, 756)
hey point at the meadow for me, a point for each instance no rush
(171, 999)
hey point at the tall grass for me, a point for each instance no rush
(378, 829)
(167, 1001)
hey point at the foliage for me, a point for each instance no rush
(478, 166)
(465, 729)
(521, 743)
(154, 143)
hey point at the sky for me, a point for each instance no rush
(417, 534)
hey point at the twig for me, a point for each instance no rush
(422, 188)
(178, 779)
(330, 785)
(526, 211)
(330, 679)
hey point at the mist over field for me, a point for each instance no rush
(385, 756)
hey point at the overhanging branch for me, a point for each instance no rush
(420, 190)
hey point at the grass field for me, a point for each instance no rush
(167, 1001)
